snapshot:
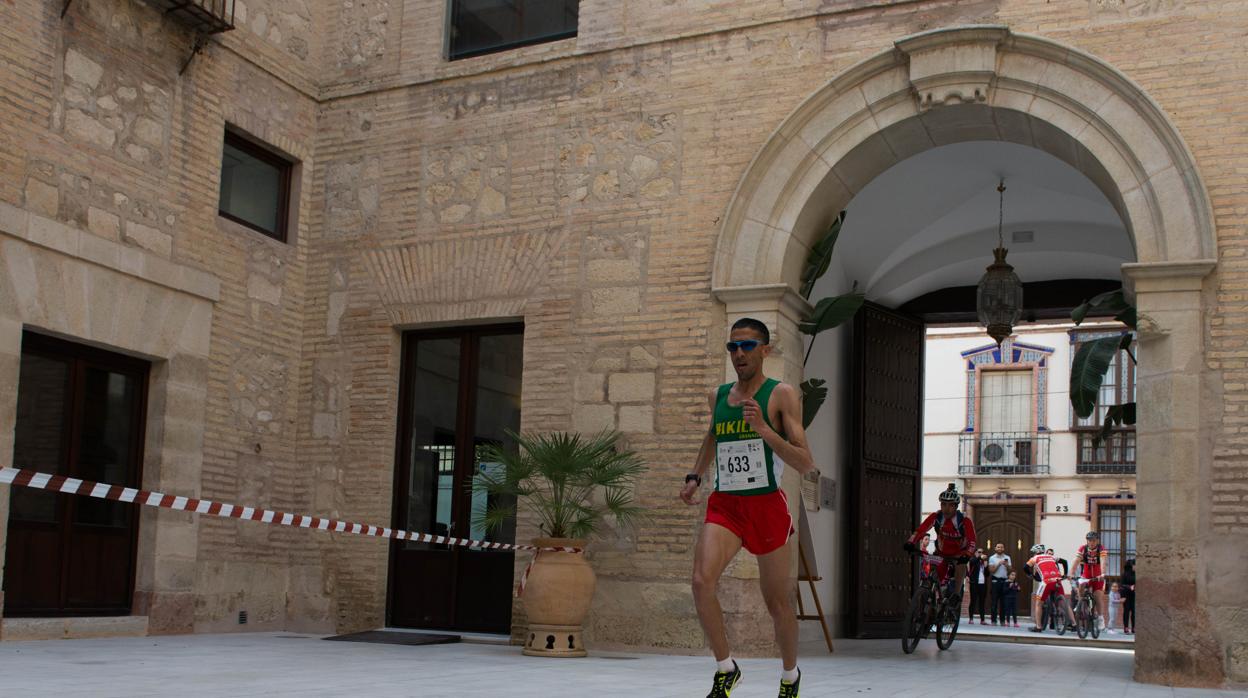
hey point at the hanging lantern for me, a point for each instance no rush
(999, 298)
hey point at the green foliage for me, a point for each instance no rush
(1092, 360)
(828, 313)
(1110, 301)
(820, 256)
(1115, 416)
(1087, 372)
(562, 475)
(832, 312)
(813, 395)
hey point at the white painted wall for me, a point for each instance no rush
(829, 444)
(945, 407)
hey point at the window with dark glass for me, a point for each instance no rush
(486, 26)
(1117, 527)
(255, 186)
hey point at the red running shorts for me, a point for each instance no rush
(761, 521)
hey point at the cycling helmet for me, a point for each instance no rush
(1038, 549)
(951, 494)
(1091, 535)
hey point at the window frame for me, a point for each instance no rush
(1122, 437)
(1123, 530)
(269, 155)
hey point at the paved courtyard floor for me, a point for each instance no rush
(276, 664)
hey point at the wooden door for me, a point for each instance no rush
(460, 390)
(80, 413)
(884, 468)
(1015, 526)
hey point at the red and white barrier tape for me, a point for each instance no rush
(20, 477)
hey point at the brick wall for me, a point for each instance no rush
(578, 185)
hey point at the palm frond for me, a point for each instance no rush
(559, 474)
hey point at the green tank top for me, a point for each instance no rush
(744, 463)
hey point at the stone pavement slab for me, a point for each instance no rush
(288, 664)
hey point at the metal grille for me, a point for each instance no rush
(1004, 453)
(1113, 456)
(204, 16)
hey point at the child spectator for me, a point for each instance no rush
(1115, 602)
(1011, 600)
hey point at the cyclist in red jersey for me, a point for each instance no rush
(1043, 567)
(955, 536)
(1090, 562)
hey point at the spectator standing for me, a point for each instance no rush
(999, 566)
(1011, 599)
(1115, 602)
(1128, 596)
(977, 577)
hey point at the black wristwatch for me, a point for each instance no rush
(695, 477)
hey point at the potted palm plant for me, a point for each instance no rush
(571, 483)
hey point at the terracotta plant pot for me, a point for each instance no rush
(556, 599)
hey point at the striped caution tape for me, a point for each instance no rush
(21, 477)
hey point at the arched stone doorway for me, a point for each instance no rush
(987, 83)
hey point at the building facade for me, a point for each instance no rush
(279, 263)
(999, 423)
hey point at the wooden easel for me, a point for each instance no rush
(804, 575)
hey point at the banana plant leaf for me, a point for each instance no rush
(1110, 301)
(814, 393)
(1116, 415)
(832, 312)
(820, 256)
(1087, 372)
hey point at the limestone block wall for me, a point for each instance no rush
(624, 259)
(104, 145)
(579, 186)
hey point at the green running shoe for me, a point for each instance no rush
(725, 681)
(789, 690)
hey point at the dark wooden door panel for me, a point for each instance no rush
(884, 470)
(460, 390)
(81, 413)
(1014, 526)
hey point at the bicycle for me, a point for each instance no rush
(1051, 613)
(929, 606)
(1085, 611)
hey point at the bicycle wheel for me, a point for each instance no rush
(1081, 620)
(916, 621)
(1055, 612)
(947, 619)
(1093, 626)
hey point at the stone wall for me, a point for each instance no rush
(578, 185)
(102, 135)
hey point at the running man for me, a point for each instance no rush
(756, 427)
(1090, 561)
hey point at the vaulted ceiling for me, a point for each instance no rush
(930, 222)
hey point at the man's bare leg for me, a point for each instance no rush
(777, 585)
(716, 548)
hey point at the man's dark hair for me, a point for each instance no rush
(749, 323)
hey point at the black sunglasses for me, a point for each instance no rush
(743, 345)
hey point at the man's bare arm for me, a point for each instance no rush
(794, 450)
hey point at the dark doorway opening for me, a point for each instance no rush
(459, 391)
(81, 414)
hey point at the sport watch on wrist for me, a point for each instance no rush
(695, 477)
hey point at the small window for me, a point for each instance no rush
(255, 186)
(486, 26)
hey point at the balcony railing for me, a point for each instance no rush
(204, 16)
(1113, 456)
(1004, 453)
